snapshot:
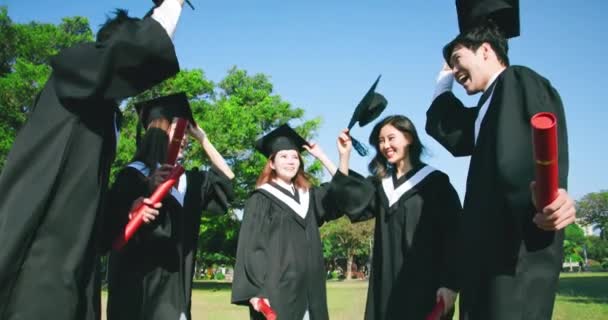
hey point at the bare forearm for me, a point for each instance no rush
(328, 164)
(344, 163)
(215, 157)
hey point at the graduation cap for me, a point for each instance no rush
(281, 138)
(368, 109)
(504, 13)
(168, 107)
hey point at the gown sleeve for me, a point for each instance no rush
(452, 124)
(216, 191)
(251, 268)
(136, 57)
(527, 95)
(344, 194)
(450, 211)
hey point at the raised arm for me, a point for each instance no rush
(448, 121)
(217, 160)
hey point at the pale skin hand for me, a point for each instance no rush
(448, 296)
(345, 146)
(150, 209)
(159, 175)
(254, 302)
(558, 214)
(446, 68)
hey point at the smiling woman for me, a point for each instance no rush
(279, 256)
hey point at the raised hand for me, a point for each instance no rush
(315, 150)
(345, 143)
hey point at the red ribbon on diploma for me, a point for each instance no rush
(175, 140)
(544, 139)
(138, 213)
(437, 310)
(266, 310)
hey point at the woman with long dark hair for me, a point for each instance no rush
(417, 215)
(280, 255)
(151, 277)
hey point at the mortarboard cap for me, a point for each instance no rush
(168, 107)
(281, 138)
(504, 13)
(369, 108)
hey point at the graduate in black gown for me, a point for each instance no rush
(279, 256)
(53, 183)
(513, 253)
(416, 234)
(151, 277)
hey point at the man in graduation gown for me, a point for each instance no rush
(53, 182)
(513, 254)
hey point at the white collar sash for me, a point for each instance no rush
(300, 208)
(393, 195)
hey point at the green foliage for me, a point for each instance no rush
(343, 239)
(597, 248)
(25, 53)
(592, 209)
(233, 113)
(219, 276)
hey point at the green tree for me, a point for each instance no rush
(573, 243)
(341, 238)
(234, 113)
(25, 52)
(597, 248)
(592, 209)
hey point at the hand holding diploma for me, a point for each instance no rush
(262, 305)
(437, 311)
(150, 209)
(138, 214)
(555, 207)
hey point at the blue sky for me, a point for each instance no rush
(322, 56)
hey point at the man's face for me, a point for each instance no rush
(469, 68)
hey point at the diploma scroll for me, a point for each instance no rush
(175, 140)
(138, 213)
(266, 310)
(437, 310)
(544, 139)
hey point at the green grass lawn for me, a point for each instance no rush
(580, 296)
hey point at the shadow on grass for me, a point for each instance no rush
(584, 289)
(211, 285)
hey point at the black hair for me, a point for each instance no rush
(153, 148)
(121, 16)
(483, 32)
(379, 166)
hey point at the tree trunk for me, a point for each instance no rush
(349, 265)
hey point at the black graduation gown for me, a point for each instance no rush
(280, 255)
(53, 182)
(151, 277)
(415, 243)
(512, 267)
